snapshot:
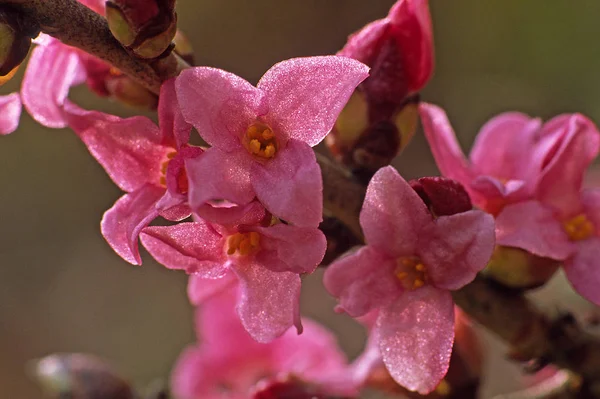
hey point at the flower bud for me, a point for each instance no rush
(442, 196)
(146, 27)
(15, 40)
(80, 376)
(516, 268)
(381, 117)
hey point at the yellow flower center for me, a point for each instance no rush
(163, 168)
(579, 228)
(260, 141)
(411, 272)
(243, 243)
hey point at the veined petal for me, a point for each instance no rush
(582, 269)
(393, 214)
(444, 146)
(122, 223)
(200, 289)
(270, 301)
(51, 72)
(290, 185)
(306, 95)
(291, 248)
(10, 113)
(363, 281)
(533, 227)
(193, 247)
(174, 130)
(456, 247)
(416, 337)
(219, 104)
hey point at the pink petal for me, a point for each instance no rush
(290, 186)
(219, 104)
(250, 214)
(503, 146)
(306, 95)
(590, 199)
(194, 247)
(393, 214)
(290, 248)
(10, 113)
(122, 223)
(561, 183)
(416, 337)
(364, 44)
(216, 175)
(533, 227)
(444, 146)
(363, 281)
(175, 131)
(200, 289)
(582, 269)
(270, 301)
(51, 72)
(457, 247)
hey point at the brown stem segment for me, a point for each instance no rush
(76, 25)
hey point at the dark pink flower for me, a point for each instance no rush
(262, 136)
(10, 113)
(405, 272)
(229, 364)
(144, 160)
(266, 260)
(507, 159)
(562, 221)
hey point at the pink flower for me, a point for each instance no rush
(262, 136)
(562, 221)
(229, 364)
(142, 159)
(10, 113)
(266, 260)
(405, 272)
(398, 49)
(507, 159)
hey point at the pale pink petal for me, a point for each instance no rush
(369, 360)
(187, 379)
(416, 337)
(51, 72)
(10, 113)
(290, 185)
(306, 95)
(219, 104)
(216, 175)
(194, 247)
(503, 146)
(457, 247)
(533, 227)
(560, 185)
(583, 269)
(444, 146)
(590, 199)
(393, 214)
(200, 289)
(175, 131)
(291, 248)
(122, 223)
(363, 281)
(270, 301)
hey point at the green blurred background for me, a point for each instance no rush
(62, 289)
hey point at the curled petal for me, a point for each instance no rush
(232, 215)
(175, 131)
(416, 337)
(122, 223)
(457, 247)
(269, 303)
(533, 227)
(290, 185)
(393, 214)
(51, 71)
(582, 269)
(306, 95)
(219, 104)
(193, 247)
(10, 113)
(363, 281)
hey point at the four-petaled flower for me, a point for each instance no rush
(405, 272)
